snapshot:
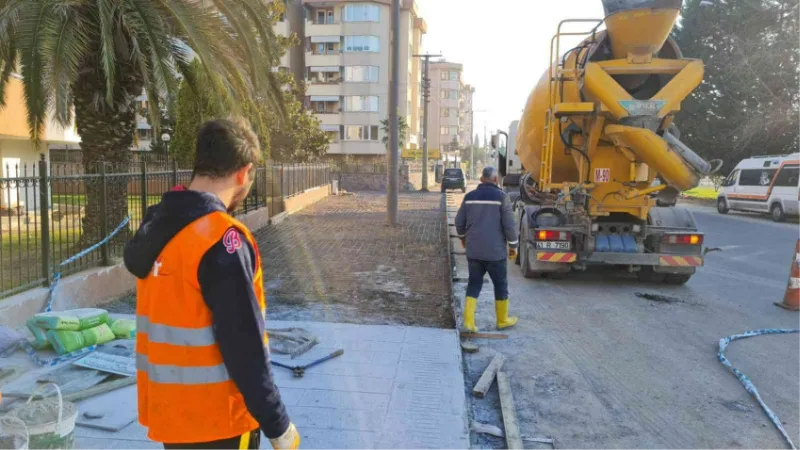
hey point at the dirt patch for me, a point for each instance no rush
(338, 261)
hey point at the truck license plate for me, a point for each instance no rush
(550, 245)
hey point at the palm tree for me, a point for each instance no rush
(402, 132)
(92, 58)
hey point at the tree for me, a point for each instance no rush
(402, 132)
(92, 58)
(299, 138)
(201, 100)
(748, 102)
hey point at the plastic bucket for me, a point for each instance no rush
(49, 423)
(12, 439)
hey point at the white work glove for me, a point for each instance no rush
(290, 440)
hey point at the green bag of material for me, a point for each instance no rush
(69, 341)
(124, 328)
(39, 341)
(72, 320)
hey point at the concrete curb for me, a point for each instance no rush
(278, 218)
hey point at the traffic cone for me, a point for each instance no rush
(791, 300)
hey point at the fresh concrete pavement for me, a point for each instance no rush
(594, 366)
(394, 387)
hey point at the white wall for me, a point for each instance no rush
(17, 156)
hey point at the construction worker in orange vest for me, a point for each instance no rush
(202, 357)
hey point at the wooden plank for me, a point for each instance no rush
(513, 438)
(483, 384)
(471, 335)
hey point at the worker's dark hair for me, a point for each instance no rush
(225, 146)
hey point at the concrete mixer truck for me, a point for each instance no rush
(597, 144)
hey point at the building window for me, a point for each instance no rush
(361, 44)
(444, 130)
(445, 112)
(361, 132)
(325, 48)
(324, 17)
(361, 74)
(449, 75)
(451, 94)
(361, 103)
(333, 136)
(362, 13)
(144, 134)
(453, 130)
(325, 107)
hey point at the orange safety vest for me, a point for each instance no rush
(185, 392)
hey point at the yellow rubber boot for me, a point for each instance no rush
(501, 310)
(469, 314)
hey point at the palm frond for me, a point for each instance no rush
(9, 64)
(64, 44)
(105, 14)
(145, 23)
(37, 92)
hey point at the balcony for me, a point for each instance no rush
(282, 28)
(331, 118)
(315, 29)
(326, 89)
(334, 59)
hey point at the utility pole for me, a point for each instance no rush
(394, 125)
(472, 140)
(426, 94)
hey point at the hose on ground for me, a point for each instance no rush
(748, 385)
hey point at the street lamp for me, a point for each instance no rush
(165, 138)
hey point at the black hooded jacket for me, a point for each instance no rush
(226, 283)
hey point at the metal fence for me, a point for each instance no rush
(47, 216)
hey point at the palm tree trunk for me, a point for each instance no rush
(107, 134)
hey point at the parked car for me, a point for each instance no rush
(454, 179)
(766, 184)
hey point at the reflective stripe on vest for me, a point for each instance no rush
(165, 334)
(169, 374)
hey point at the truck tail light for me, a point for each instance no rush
(551, 235)
(688, 239)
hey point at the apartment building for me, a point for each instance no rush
(450, 107)
(347, 62)
(18, 152)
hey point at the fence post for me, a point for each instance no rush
(174, 173)
(282, 170)
(144, 188)
(44, 212)
(105, 260)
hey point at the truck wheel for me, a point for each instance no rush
(722, 206)
(525, 263)
(777, 212)
(677, 278)
(647, 275)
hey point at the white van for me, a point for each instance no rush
(767, 184)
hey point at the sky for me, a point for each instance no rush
(504, 46)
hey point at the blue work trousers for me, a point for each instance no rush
(498, 272)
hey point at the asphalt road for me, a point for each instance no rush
(594, 366)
